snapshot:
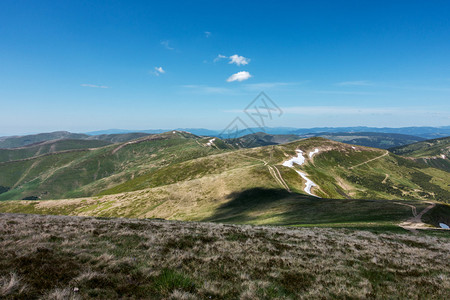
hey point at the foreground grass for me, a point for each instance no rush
(60, 257)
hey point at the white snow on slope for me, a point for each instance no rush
(299, 160)
(309, 183)
(311, 154)
(445, 226)
(210, 142)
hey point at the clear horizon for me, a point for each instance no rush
(84, 66)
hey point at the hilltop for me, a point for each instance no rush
(21, 141)
(435, 152)
(49, 147)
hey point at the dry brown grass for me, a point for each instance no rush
(60, 257)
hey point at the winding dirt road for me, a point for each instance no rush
(416, 221)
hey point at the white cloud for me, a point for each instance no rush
(239, 60)
(207, 34)
(158, 71)
(95, 86)
(166, 45)
(219, 57)
(239, 76)
(355, 83)
(234, 59)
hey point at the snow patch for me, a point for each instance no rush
(445, 226)
(299, 160)
(309, 183)
(311, 154)
(210, 142)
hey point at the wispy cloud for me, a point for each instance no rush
(353, 110)
(158, 71)
(220, 57)
(343, 92)
(166, 45)
(95, 86)
(204, 89)
(393, 85)
(239, 76)
(269, 85)
(234, 59)
(207, 34)
(355, 83)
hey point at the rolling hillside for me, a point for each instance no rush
(435, 153)
(369, 139)
(21, 141)
(177, 175)
(89, 171)
(260, 139)
(48, 147)
(118, 137)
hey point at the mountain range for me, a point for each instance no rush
(179, 175)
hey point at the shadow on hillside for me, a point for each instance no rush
(243, 206)
(279, 207)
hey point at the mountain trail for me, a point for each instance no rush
(378, 157)
(385, 178)
(277, 176)
(27, 171)
(415, 222)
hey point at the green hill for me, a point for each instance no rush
(261, 139)
(177, 175)
(435, 153)
(89, 171)
(118, 137)
(48, 147)
(21, 141)
(369, 139)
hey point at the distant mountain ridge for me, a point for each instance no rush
(426, 132)
(122, 135)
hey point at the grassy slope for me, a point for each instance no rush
(236, 186)
(260, 139)
(433, 147)
(371, 139)
(434, 153)
(21, 141)
(118, 137)
(49, 147)
(48, 256)
(85, 173)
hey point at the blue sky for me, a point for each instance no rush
(90, 65)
